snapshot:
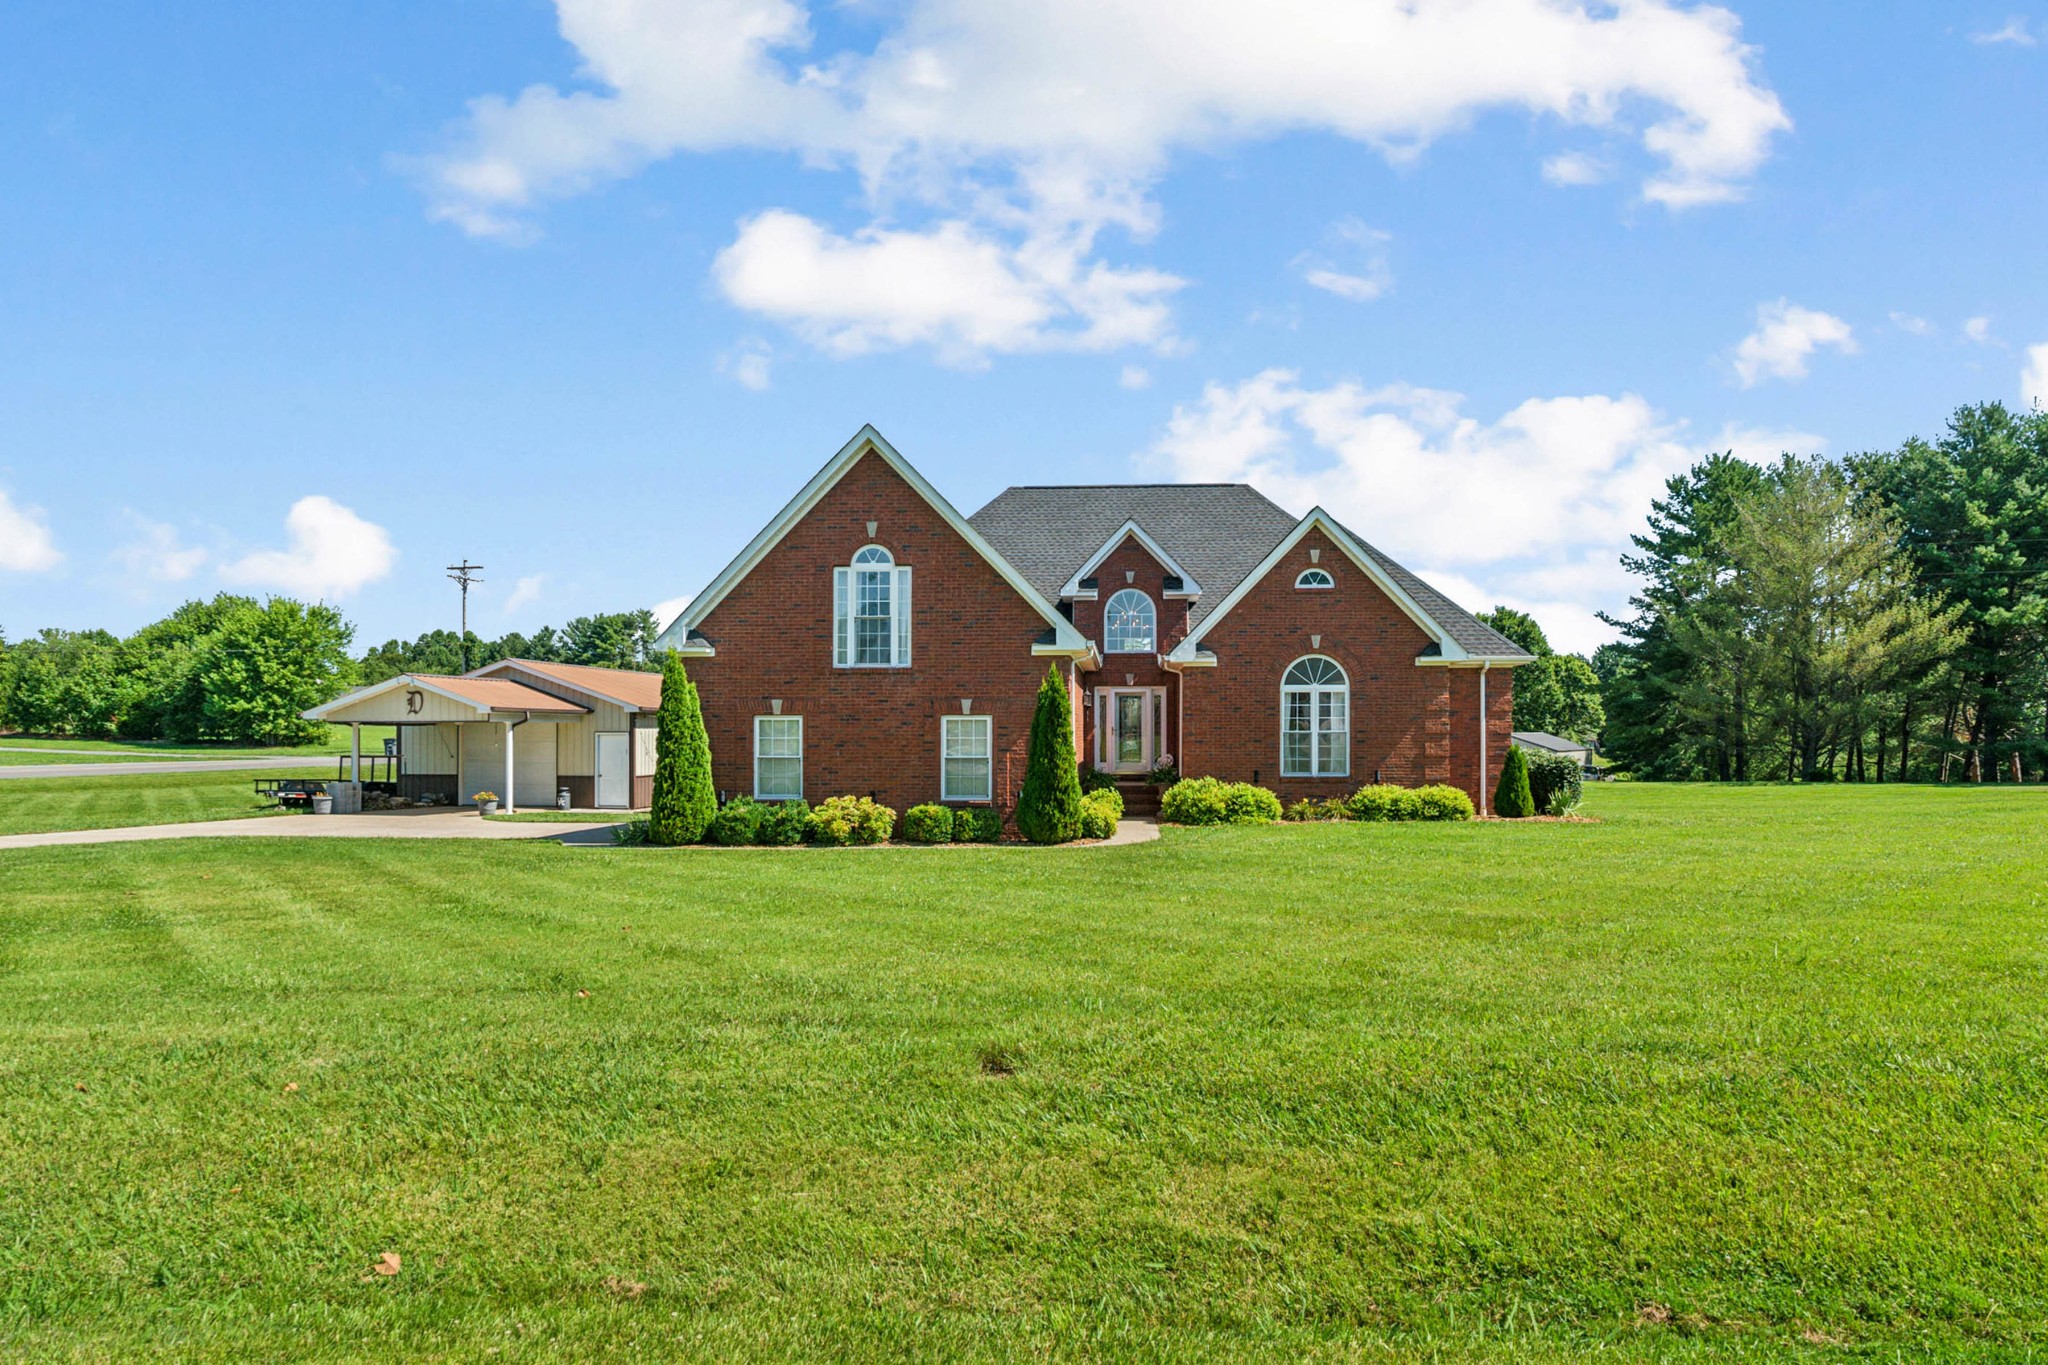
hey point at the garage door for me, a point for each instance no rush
(533, 762)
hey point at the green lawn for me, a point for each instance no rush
(13, 757)
(31, 805)
(336, 742)
(1751, 1074)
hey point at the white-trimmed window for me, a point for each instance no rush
(871, 612)
(778, 758)
(1315, 578)
(966, 758)
(1129, 625)
(1315, 719)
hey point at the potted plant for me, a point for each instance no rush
(323, 802)
(486, 802)
(1163, 773)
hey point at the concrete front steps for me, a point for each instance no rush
(1140, 798)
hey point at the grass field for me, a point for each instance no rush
(1733, 1074)
(11, 757)
(32, 805)
(336, 742)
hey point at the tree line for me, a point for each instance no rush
(1883, 618)
(235, 670)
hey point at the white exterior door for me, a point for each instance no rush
(614, 779)
(1124, 739)
(483, 762)
(533, 764)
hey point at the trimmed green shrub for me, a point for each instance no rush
(928, 824)
(1555, 783)
(1381, 801)
(738, 822)
(1099, 813)
(977, 825)
(1049, 806)
(1095, 780)
(784, 824)
(1244, 804)
(851, 820)
(1310, 809)
(1511, 799)
(1440, 803)
(1195, 801)
(684, 799)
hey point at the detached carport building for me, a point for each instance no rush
(523, 729)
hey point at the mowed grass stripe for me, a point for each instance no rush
(37, 805)
(1765, 1060)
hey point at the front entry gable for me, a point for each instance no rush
(684, 633)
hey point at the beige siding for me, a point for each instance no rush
(389, 708)
(575, 741)
(643, 749)
(427, 749)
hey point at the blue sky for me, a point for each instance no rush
(321, 298)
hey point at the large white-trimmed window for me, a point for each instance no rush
(871, 612)
(1129, 625)
(966, 758)
(779, 758)
(1315, 719)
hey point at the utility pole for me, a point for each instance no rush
(464, 574)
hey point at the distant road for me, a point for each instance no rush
(182, 765)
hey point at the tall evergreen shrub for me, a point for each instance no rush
(1512, 799)
(684, 799)
(1049, 807)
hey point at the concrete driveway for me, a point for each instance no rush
(395, 824)
(128, 767)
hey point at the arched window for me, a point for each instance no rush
(871, 612)
(1315, 578)
(1128, 625)
(1315, 719)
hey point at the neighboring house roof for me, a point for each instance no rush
(1216, 533)
(683, 635)
(634, 690)
(1556, 744)
(486, 694)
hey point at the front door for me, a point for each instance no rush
(614, 782)
(1127, 739)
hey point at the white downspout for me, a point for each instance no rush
(1482, 736)
(511, 725)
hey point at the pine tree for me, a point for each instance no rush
(684, 799)
(1512, 799)
(1049, 807)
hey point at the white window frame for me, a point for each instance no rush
(1151, 610)
(1316, 695)
(948, 726)
(1301, 580)
(796, 795)
(871, 559)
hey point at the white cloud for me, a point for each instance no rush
(1576, 168)
(665, 613)
(25, 542)
(525, 592)
(997, 139)
(332, 553)
(1785, 339)
(2034, 378)
(955, 288)
(1978, 331)
(2014, 32)
(156, 554)
(1135, 377)
(1534, 507)
(1362, 274)
(750, 365)
(1909, 323)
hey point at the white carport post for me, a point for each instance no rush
(507, 803)
(355, 751)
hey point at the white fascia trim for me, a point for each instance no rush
(490, 669)
(1086, 655)
(1184, 652)
(1478, 661)
(391, 685)
(1188, 588)
(865, 440)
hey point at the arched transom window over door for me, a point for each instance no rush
(1129, 625)
(1315, 719)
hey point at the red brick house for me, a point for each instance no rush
(871, 640)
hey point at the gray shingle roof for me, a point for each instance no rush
(1217, 532)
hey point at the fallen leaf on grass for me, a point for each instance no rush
(583, 995)
(624, 1288)
(1653, 1312)
(81, 1085)
(387, 1264)
(290, 1086)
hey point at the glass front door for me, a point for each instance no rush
(1127, 743)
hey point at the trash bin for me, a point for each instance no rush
(562, 798)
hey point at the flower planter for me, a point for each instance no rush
(488, 807)
(323, 804)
